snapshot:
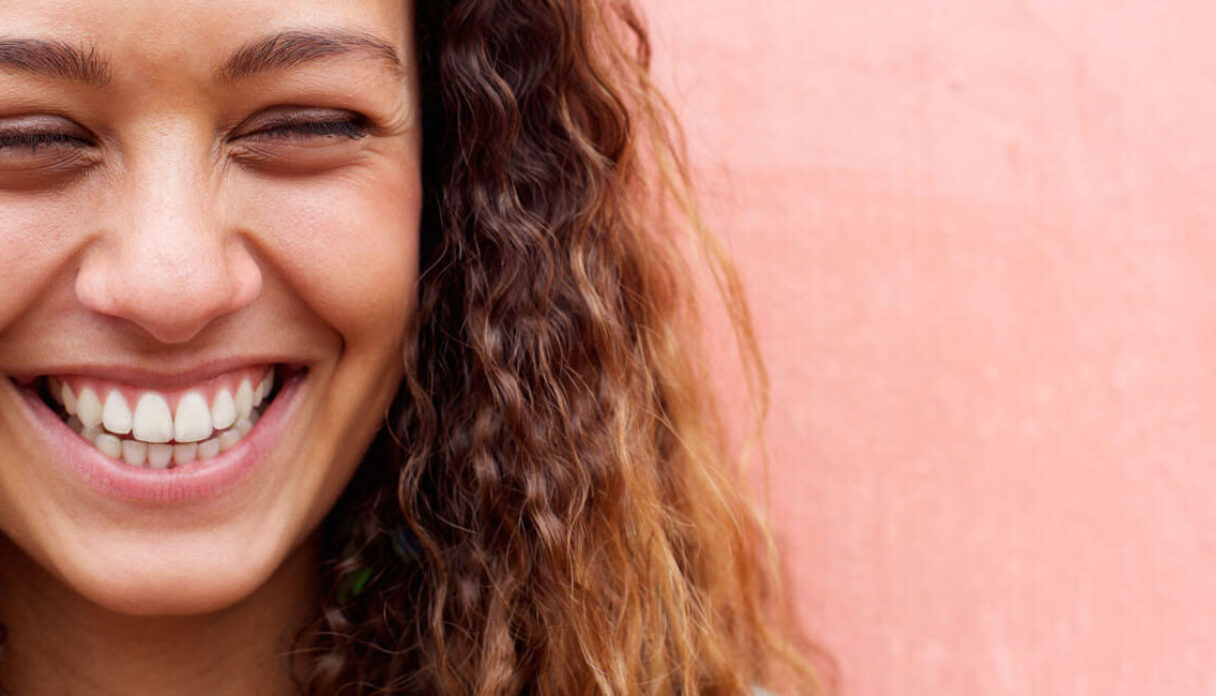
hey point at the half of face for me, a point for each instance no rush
(208, 221)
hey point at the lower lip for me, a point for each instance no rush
(199, 481)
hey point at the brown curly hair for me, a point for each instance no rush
(550, 508)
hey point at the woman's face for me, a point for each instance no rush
(208, 249)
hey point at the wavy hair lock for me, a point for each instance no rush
(549, 509)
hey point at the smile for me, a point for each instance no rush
(164, 439)
(162, 428)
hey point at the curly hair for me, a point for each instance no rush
(550, 508)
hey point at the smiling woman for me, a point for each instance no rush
(246, 447)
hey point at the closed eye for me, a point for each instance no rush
(32, 141)
(353, 127)
(301, 140)
(40, 151)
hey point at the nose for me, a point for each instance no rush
(167, 260)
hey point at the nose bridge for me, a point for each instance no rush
(172, 221)
(174, 264)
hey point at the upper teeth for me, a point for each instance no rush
(153, 421)
(193, 421)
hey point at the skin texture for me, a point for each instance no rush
(188, 236)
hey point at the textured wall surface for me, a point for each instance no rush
(980, 242)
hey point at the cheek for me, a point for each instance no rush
(36, 249)
(346, 244)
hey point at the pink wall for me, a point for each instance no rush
(980, 239)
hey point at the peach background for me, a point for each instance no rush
(980, 242)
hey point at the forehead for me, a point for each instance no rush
(141, 38)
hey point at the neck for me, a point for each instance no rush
(60, 643)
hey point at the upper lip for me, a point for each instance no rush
(142, 375)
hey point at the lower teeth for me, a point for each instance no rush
(167, 455)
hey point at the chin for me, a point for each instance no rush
(171, 594)
(175, 574)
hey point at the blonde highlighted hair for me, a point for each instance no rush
(552, 507)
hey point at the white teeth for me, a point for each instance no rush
(223, 411)
(109, 445)
(209, 448)
(159, 456)
(68, 399)
(158, 437)
(116, 416)
(88, 408)
(244, 399)
(184, 454)
(134, 452)
(193, 422)
(153, 422)
(228, 438)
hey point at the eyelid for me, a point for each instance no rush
(44, 125)
(282, 121)
(36, 140)
(44, 145)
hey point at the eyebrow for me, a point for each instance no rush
(55, 59)
(289, 48)
(285, 49)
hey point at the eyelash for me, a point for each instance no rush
(33, 140)
(352, 128)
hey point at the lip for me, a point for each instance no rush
(177, 486)
(149, 379)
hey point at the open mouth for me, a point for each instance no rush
(165, 429)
